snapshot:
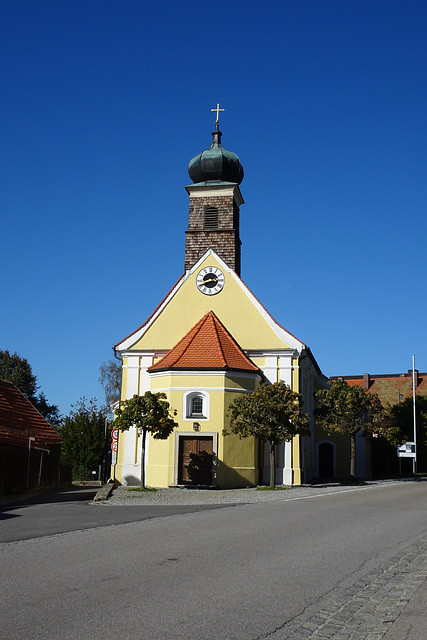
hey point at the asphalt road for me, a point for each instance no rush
(67, 510)
(243, 572)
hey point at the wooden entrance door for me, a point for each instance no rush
(195, 460)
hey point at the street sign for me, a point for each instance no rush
(114, 446)
(115, 434)
(113, 459)
(406, 450)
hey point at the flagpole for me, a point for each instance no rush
(414, 459)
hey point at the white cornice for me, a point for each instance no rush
(260, 353)
(206, 190)
(158, 353)
(186, 389)
(222, 373)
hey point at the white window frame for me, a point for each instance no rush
(187, 405)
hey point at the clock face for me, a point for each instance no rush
(210, 280)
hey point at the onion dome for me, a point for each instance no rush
(216, 163)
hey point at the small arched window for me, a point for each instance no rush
(196, 405)
(210, 220)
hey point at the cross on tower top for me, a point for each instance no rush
(217, 109)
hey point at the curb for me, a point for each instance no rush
(104, 492)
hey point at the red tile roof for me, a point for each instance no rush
(19, 420)
(390, 388)
(208, 345)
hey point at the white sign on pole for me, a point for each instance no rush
(406, 450)
(114, 458)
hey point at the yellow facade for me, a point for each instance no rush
(237, 462)
(233, 306)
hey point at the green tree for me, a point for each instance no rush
(111, 380)
(350, 409)
(18, 370)
(83, 438)
(402, 416)
(150, 413)
(272, 413)
(49, 411)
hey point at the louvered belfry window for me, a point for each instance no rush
(210, 222)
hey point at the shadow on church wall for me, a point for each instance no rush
(231, 478)
(131, 481)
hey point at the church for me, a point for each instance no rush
(208, 341)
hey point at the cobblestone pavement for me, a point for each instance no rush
(175, 496)
(368, 609)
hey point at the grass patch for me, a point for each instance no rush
(141, 489)
(272, 488)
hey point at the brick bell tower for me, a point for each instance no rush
(215, 199)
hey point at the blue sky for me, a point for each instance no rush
(105, 102)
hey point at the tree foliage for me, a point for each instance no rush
(350, 409)
(111, 380)
(150, 413)
(272, 413)
(49, 411)
(18, 370)
(83, 439)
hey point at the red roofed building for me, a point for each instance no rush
(391, 388)
(29, 446)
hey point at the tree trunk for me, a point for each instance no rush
(144, 433)
(272, 465)
(353, 456)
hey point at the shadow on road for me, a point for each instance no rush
(65, 494)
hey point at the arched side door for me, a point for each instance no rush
(326, 460)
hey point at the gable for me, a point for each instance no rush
(235, 306)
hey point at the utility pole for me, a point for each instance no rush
(414, 459)
(30, 439)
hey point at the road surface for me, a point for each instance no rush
(336, 566)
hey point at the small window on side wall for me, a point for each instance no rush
(196, 405)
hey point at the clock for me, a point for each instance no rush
(210, 280)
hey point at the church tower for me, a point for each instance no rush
(208, 342)
(215, 199)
